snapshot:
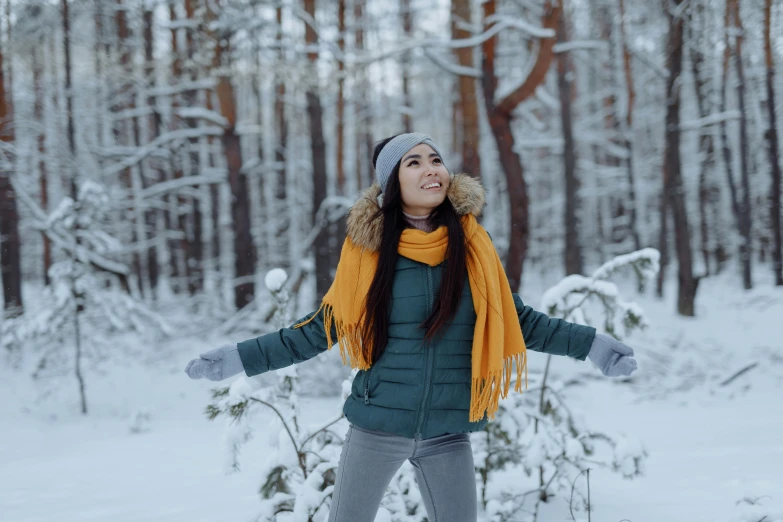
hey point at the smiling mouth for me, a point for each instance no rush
(432, 186)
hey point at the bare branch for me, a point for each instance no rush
(539, 69)
(474, 41)
(453, 68)
(157, 143)
(172, 185)
(580, 45)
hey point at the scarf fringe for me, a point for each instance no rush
(348, 338)
(487, 391)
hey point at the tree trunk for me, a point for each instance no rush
(363, 117)
(626, 127)
(70, 172)
(407, 101)
(745, 217)
(518, 197)
(339, 228)
(124, 135)
(282, 216)
(772, 149)
(618, 220)
(675, 190)
(244, 255)
(263, 217)
(43, 180)
(500, 116)
(194, 245)
(341, 100)
(709, 191)
(214, 206)
(725, 146)
(10, 246)
(663, 236)
(153, 126)
(171, 216)
(467, 105)
(573, 251)
(318, 149)
(244, 252)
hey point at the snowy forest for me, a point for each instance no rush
(176, 174)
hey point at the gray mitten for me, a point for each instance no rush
(612, 357)
(216, 365)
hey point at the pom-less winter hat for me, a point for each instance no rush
(393, 151)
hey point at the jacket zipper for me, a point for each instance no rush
(428, 370)
(367, 385)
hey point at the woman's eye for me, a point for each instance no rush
(412, 163)
(437, 160)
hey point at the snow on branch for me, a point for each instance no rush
(172, 185)
(580, 45)
(64, 240)
(520, 24)
(646, 263)
(310, 22)
(157, 143)
(135, 112)
(179, 23)
(567, 298)
(171, 90)
(545, 97)
(331, 209)
(609, 147)
(203, 114)
(712, 119)
(657, 69)
(453, 68)
(473, 41)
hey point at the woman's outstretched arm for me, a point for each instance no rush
(286, 346)
(553, 336)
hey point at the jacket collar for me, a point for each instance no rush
(466, 194)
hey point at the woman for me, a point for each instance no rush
(421, 306)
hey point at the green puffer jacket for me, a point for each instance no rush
(415, 389)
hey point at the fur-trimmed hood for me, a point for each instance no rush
(466, 194)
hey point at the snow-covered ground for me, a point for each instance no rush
(710, 445)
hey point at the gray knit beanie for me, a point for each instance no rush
(393, 152)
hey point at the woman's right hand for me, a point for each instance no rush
(216, 365)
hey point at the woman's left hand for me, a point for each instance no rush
(612, 357)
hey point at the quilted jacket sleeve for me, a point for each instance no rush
(553, 336)
(285, 347)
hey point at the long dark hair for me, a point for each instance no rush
(378, 304)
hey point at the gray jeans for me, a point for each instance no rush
(370, 459)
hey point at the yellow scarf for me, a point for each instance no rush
(497, 336)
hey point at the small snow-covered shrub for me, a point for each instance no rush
(537, 431)
(83, 310)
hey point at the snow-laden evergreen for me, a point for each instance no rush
(83, 307)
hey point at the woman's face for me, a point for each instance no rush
(424, 180)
